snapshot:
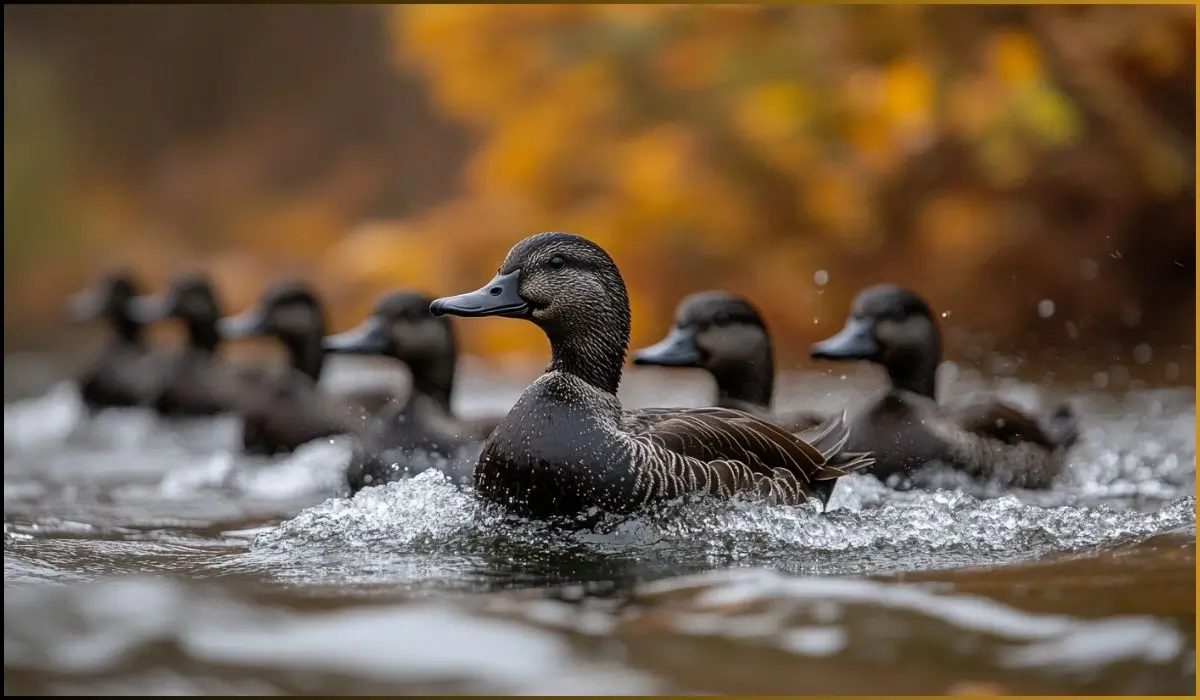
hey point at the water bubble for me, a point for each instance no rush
(1046, 308)
(1100, 380)
(1143, 353)
(821, 278)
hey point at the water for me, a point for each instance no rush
(146, 558)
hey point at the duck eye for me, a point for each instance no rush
(721, 319)
(556, 262)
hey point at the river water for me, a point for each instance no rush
(145, 557)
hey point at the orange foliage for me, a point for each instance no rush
(738, 146)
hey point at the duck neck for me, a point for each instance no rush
(916, 373)
(592, 345)
(127, 331)
(433, 376)
(202, 333)
(746, 381)
(305, 353)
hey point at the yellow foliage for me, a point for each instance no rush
(654, 170)
(908, 96)
(1051, 116)
(770, 113)
(1015, 58)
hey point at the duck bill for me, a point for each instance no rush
(244, 325)
(369, 338)
(84, 306)
(678, 349)
(854, 342)
(148, 309)
(500, 297)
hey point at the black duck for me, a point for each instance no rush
(124, 373)
(195, 382)
(291, 409)
(725, 335)
(905, 427)
(568, 447)
(408, 433)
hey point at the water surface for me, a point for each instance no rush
(142, 557)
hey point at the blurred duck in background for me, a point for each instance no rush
(125, 372)
(906, 428)
(194, 381)
(724, 334)
(422, 431)
(290, 408)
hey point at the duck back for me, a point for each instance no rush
(124, 375)
(290, 410)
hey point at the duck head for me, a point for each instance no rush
(571, 289)
(892, 327)
(289, 312)
(402, 327)
(190, 298)
(724, 334)
(112, 299)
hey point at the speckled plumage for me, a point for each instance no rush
(724, 334)
(568, 446)
(906, 428)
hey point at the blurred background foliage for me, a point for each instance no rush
(992, 158)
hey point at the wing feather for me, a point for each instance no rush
(725, 451)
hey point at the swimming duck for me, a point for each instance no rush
(124, 372)
(905, 427)
(195, 382)
(291, 409)
(568, 447)
(724, 334)
(401, 327)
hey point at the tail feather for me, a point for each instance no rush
(830, 438)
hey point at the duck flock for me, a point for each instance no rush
(567, 447)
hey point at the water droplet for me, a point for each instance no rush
(821, 278)
(946, 314)
(1143, 353)
(1100, 380)
(1046, 308)
(1072, 331)
(1088, 269)
(1172, 371)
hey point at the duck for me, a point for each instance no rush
(906, 428)
(195, 382)
(123, 373)
(401, 327)
(724, 334)
(568, 448)
(291, 409)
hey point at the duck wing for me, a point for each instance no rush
(724, 451)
